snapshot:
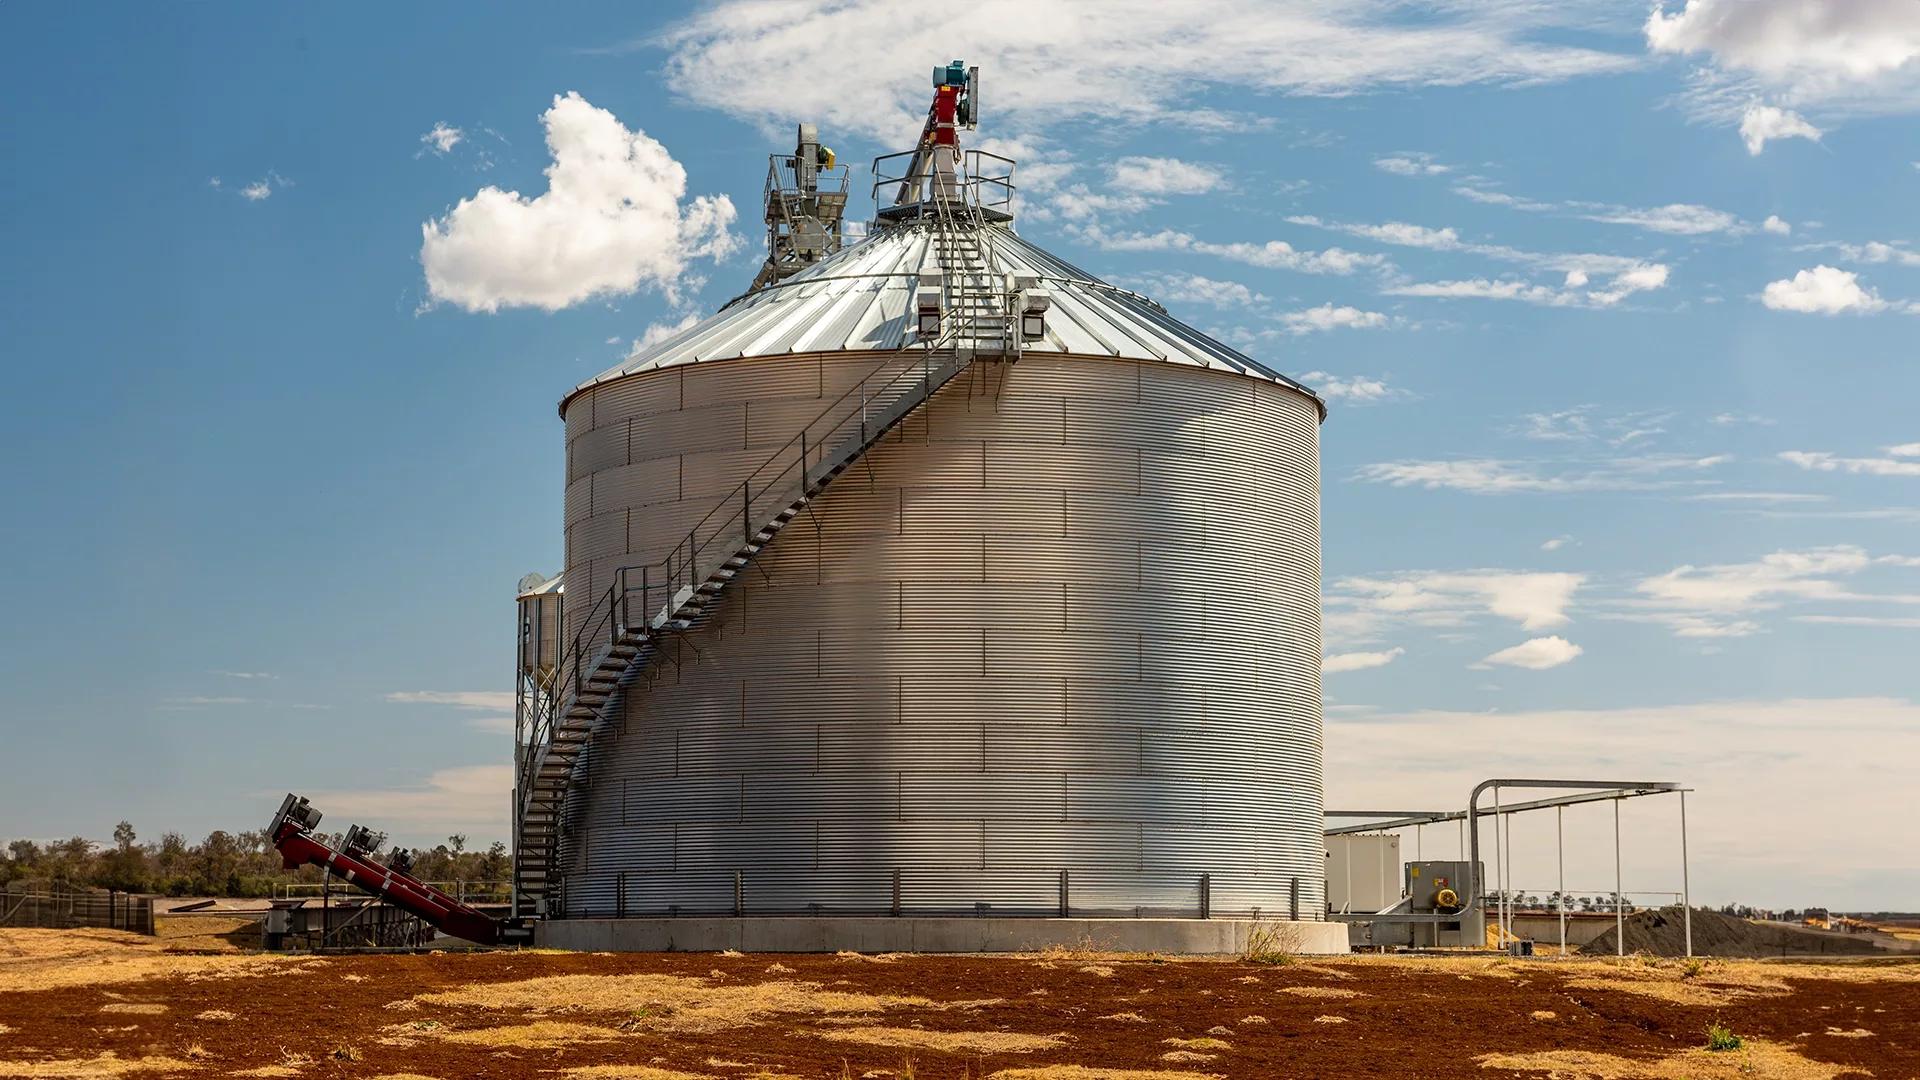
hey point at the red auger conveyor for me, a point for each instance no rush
(292, 832)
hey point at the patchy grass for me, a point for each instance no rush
(215, 1014)
(62, 959)
(1721, 1038)
(1754, 1059)
(1544, 1014)
(539, 1035)
(1193, 1056)
(105, 1065)
(1198, 1044)
(1087, 1073)
(136, 1008)
(1332, 992)
(1329, 1019)
(1082, 1072)
(979, 1042)
(670, 1003)
(1128, 1017)
(628, 1073)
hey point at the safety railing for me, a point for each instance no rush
(642, 594)
(984, 182)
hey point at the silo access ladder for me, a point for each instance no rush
(623, 635)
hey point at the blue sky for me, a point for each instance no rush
(1616, 314)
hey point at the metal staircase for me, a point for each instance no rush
(625, 634)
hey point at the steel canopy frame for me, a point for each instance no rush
(1589, 791)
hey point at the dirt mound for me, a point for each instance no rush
(1663, 933)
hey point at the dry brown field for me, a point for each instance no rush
(92, 1003)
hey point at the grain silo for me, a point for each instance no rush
(935, 589)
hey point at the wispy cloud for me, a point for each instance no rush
(1725, 600)
(496, 705)
(470, 799)
(1353, 389)
(1113, 64)
(1495, 476)
(1358, 661)
(1535, 654)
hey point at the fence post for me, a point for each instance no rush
(1066, 895)
(1206, 896)
(1293, 898)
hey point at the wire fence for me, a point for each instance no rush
(66, 909)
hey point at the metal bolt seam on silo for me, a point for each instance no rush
(1053, 642)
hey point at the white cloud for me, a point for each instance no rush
(1358, 389)
(1054, 61)
(1273, 254)
(1808, 51)
(1166, 176)
(1763, 123)
(1679, 219)
(610, 221)
(1410, 165)
(1492, 476)
(1078, 202)
(1180, 288)
(1329, 317)
(1573, 292)
(1359, 661)
(442, 138)
(247, 674)
(1898, 463)
(497, 704)
(1536, 654)
(256, 191)
(1774, 224)
(1555, 543)
(657, 332)
(1911, 449)
(470, 799)
(1873, 251)
(1721, 600)
(1392, 232)
(1359, 606)
(198, 701)
(1740, 755)
(1823, 290)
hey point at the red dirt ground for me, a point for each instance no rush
(351, 1016)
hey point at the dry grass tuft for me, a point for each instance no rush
(106, 1065)
(62, 959)
(1856, 1033)
(1095, 1073)
(138, 1008)
(215, 1014)
(1329, 1019)
(1101, 970)
(778, 968)
(404, 1076)
(1755, 1059)
(1187, 1056)
(1129, 1017)
(539, 1035)
(1198, 1044)
(1320, 992)
(1253, 1020)
(269, 1070)
(980, 1042)
(628, 1073)
(670, 1002)
(1544, 1014)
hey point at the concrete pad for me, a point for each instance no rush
(797, 934)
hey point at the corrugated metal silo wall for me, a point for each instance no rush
(1071, 625)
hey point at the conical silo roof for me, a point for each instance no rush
(861, 299)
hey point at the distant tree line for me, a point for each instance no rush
(224, 864)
